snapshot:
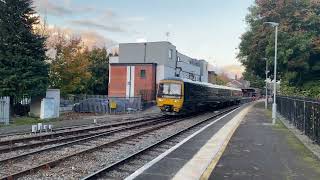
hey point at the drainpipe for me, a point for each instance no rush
(176, 65)
(145, 52)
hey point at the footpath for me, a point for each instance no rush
(261, 151)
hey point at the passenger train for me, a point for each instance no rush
(181, 96)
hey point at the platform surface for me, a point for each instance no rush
(260, 151)
(256, 150)
(170, 165)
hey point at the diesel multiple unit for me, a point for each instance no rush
(180, 96)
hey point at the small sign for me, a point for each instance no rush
(113, 105)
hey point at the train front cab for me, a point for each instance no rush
(170, 96)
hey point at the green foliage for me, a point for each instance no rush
(311, 89)
(298, 44)
(69, 68)
(255, 81)
(77, 70)
(23, 70)
(99, 68)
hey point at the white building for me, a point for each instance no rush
(169, 61)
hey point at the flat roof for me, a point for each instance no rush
(133, 64)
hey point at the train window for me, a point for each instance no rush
(175, 89)
(169, 90)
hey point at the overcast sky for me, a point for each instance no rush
(207, 29)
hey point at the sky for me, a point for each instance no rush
(202, 29)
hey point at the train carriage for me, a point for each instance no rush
(179, 96)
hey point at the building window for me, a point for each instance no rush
(143, 73)
(179, 59)
(170, 54)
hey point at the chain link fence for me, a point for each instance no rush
(125, 105)
(100, 104)
(303, 113)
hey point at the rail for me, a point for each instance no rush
(104, 170)
(15, 174)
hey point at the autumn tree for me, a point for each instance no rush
(298, 45)
(222, 79)
(69, 70)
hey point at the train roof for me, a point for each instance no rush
(204, 84)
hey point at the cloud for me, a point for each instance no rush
(135, 19)
(59, 7)
(97, 19)
(233, 70)
(93, 24)
(47, 6)
(90, 39)
(110, 14)
(93, 39)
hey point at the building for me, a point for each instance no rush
(140, 67)
(239, 83)
(212, 77)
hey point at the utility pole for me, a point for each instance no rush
(266, 99)
(274, 105)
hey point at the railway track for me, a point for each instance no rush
(124, 165)
(63, 136)
(93, 147)
(19, 165)
(71, 139)
(66, 128)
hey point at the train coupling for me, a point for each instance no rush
(168, 108)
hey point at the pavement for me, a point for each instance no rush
(261, 151)
(242, 145)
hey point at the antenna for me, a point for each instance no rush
(168, 35)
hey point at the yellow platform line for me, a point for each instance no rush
(216, 159)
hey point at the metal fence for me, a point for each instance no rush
(125, 104)
(102, 104)
(303, 113)
(92, 105)
(4, 110)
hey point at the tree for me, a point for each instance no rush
(99, 68)
(222, 79)
(23, 70)
(69, 70)
(298, 47)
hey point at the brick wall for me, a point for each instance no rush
(117, 84)
(144, 86)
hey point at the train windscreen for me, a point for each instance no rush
(169, 90)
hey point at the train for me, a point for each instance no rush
(182, 96)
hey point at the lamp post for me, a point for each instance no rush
(274, 105)
(266, 100)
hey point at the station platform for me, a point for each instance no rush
(240, 145)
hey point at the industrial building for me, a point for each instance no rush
(140, 66)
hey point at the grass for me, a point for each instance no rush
(17, 121)
(303, 152)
